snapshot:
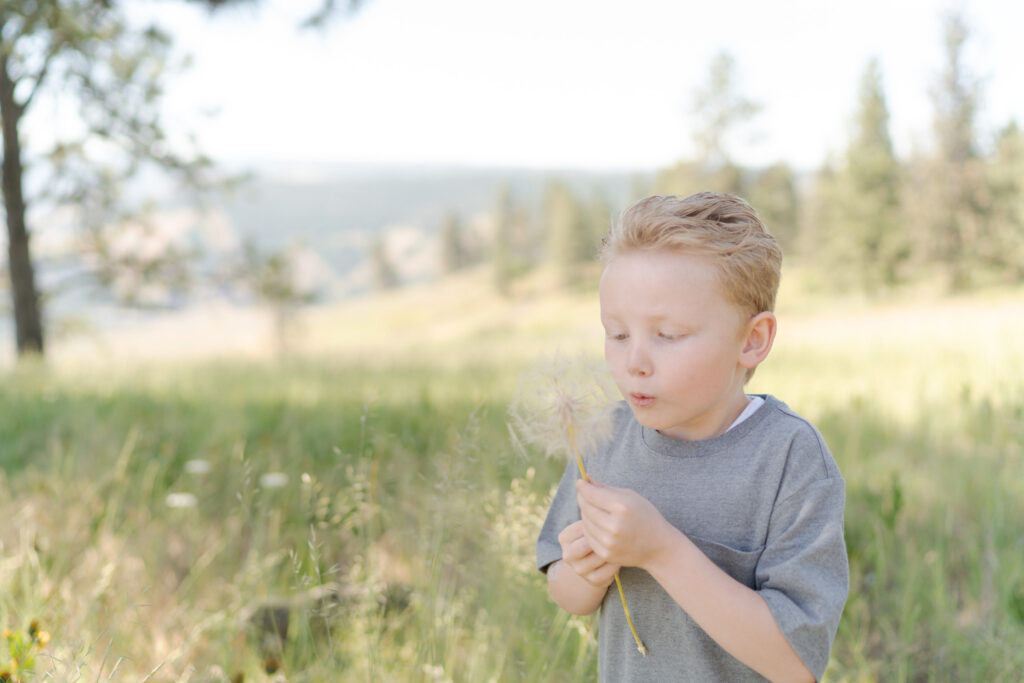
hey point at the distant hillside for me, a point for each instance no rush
(335, 210)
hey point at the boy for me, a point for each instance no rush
(722, 512)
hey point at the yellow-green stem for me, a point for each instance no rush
(618, 582)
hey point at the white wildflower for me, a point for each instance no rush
(274, 480)
(180, 500)
(197, 467)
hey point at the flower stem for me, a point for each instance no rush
(618, 582)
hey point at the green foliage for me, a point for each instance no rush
(22, 648)
(1004, 249)
(857, 232)
(719, 109)
(949, 191)
(773, 194)
(401, 541)
(385, 275)
(502, 252)
(273, 279)
(91, 61)
(568, 230)
(455, 252)
(514, 248)
(871, 221)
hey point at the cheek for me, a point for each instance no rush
(614, 358)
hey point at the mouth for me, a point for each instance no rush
(640, 400)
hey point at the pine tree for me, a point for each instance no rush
(567, 231)
(385, 275)
(719, 109)
(872, 179)
(773, 194)
(1005, 247)
(823, 238)
(954, 199)
(599, 222)
(452, 241)
(855, 214)
(502, 249)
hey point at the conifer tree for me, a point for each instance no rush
(855, 225)
(502, 248)
(718, 112)
(719, 109)
(773, 194)
(452, 241)
(872, 184)
(954, 201)
(599, 222)
(385, 275)
(567, 231)
(1005, 247)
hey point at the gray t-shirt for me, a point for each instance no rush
(764, 501)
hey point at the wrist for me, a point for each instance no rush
(669, 542)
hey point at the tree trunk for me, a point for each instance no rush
(27, 320)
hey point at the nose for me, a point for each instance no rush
(638, 361)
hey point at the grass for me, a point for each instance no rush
(401, 546)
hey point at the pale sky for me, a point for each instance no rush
(566, 83)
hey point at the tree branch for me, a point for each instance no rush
(41, 76)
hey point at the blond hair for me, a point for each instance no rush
(722, 227)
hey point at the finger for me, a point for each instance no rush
(593, 514)
(579, 548)
(585, 564)
(599, 495)
(571, 532)
(602, 575)
(597, 539)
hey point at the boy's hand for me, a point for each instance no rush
(620, 525)
(577, 553)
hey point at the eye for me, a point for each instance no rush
(618, 336)
(667, 336)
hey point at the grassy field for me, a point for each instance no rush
(166, 519)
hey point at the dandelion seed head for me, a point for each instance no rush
(561, 400)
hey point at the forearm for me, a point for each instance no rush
(735, 616)
(572, 592)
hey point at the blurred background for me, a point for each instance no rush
(356, 147)
(273, 270)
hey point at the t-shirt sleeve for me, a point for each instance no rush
(803, 573)
(563, 512)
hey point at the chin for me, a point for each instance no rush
(647, 420)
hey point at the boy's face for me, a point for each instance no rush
(673, 342)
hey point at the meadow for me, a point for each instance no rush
(359, 510)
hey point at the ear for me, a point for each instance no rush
(758, 340)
